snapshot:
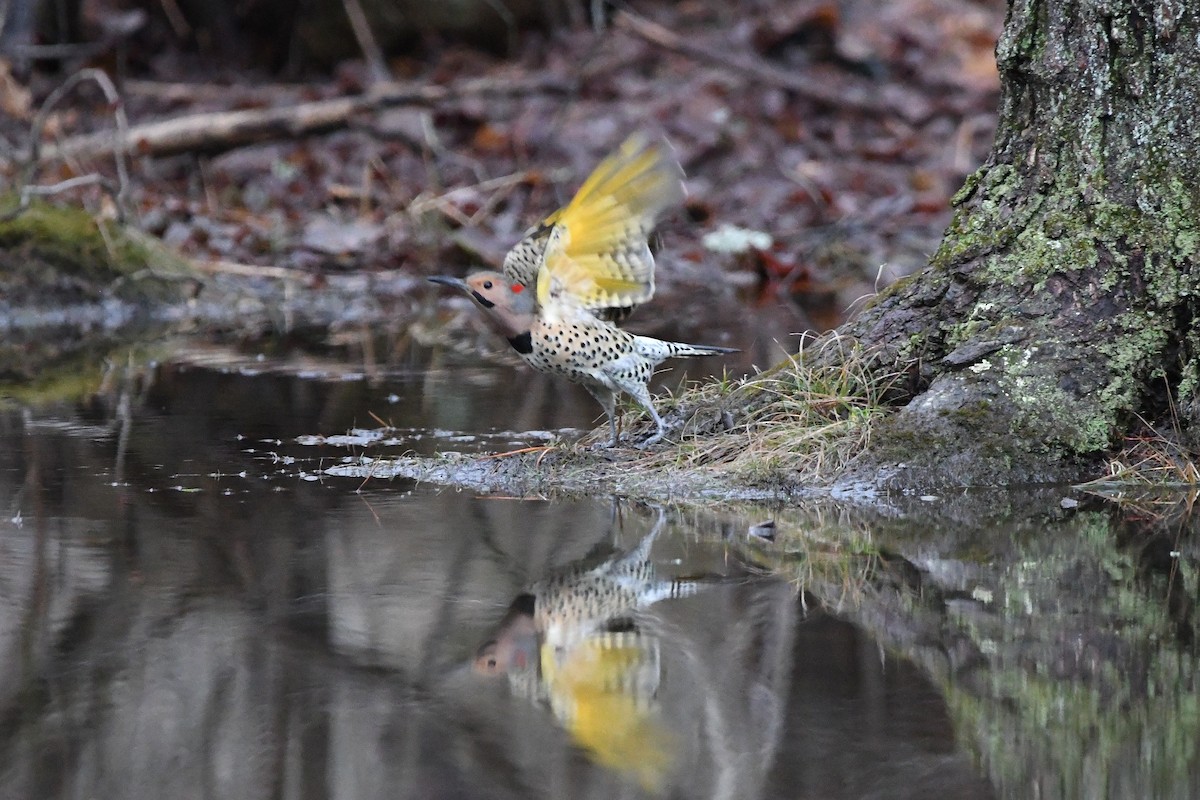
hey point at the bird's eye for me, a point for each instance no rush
(487, 284)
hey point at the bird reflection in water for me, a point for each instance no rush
(580, 643)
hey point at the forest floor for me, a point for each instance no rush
(838, 132)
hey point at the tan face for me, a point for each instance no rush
(493, 289)
(510, 308)
(514, 649)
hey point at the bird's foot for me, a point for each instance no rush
(650, 441)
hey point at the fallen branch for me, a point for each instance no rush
(348, 282)
(254, 271)
(745, 64)
(224, 130)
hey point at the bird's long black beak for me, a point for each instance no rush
(446, 280)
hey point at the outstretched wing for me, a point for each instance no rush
(595, 253)
(522, 262)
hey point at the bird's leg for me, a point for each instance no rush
(608, 399)
(641, 395)
(661, 428)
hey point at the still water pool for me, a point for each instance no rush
(191, 608)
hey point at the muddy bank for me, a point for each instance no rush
(566, 472)
(662, 474)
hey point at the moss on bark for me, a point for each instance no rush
(1061, 304)
(56, 257)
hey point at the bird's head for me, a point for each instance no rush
(510, 306)
(514, 647)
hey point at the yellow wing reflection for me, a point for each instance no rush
(576, 642)
(603, 689)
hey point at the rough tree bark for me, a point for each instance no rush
(1062, 304)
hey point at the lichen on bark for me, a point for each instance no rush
(1060, 306)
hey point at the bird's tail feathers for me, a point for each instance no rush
(661, 349)
(705, 350)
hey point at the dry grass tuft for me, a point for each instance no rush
(1151, 476)
(1152, 459)
(799, 423)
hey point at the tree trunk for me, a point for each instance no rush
(1061, 306)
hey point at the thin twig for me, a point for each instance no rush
(35, 158)
(176, 18)
(91, 179)
(376, 63)
(737, 62)
(258, 94)
(537, 449)
(504, 183)
(510, 23)
(60, 52)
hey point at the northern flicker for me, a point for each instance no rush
(575, 641)
(582, 267)
(604, 691)
(601, 685)
(577, 603)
